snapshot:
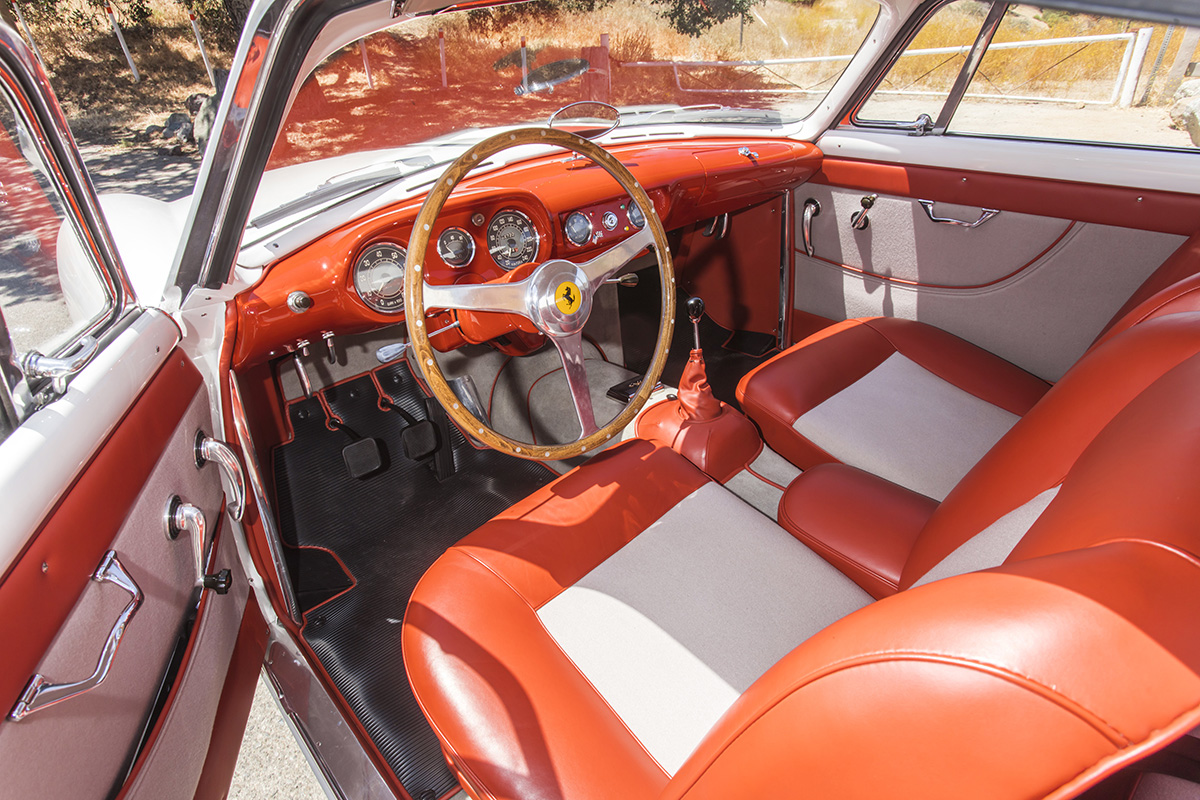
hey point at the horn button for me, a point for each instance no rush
(559, 298)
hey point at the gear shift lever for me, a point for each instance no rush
(695, 310)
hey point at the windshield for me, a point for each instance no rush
(758, 63)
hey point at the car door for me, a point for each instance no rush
(122, 600)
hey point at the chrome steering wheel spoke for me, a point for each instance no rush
(505, 298)
(610, 262)
(570, 349)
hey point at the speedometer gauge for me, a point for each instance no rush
(511, 239)
(379, 277)
(456, 247)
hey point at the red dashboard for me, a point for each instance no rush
(557, 198)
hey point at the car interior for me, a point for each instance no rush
(910, 510)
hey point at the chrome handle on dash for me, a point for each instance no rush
(40, 693)
(214, 450)
(984, 216)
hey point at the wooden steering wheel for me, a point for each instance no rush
(556, 297)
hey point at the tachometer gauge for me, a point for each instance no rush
(578, 228)
(456, 247)
(379, 277)
(511, 239)
(636, 217)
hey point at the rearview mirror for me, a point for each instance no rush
(587, 118)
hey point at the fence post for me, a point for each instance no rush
(524, 64)
(442, 54)
(1187, 49)
(203, 52)
(121, 38)
(1133, 73)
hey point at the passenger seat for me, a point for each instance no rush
(909, 402)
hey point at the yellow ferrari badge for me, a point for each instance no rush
(567, 297)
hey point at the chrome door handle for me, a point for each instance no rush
(214, 450)
(40, 693)
(36, 365)
(811, 209)
(984, 216)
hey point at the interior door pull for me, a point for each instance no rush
(221, 454)
(984, 216)
(811, 209)
(40, 693)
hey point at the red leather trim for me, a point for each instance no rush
(863, 525)
(480, 661)
(986, 675)
(76, 533)
(721, 446)
(1165, 212)
(776, 393)
(234, 708)
(952, 286)
(1046, 444)
(805, 324)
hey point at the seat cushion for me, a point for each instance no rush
(899, 399)
(605, 624)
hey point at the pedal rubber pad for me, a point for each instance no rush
(362, 457)
(420, 440)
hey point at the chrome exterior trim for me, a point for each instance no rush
(214, 450)
(35, 365)
(984, 216)
(40, 693)
(970, 65)
(265, 514)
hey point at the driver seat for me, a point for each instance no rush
(634, 630)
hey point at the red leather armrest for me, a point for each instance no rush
(862, 524)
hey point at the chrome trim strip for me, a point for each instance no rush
(40, 693)
(238, 409)
(970, 65)
(786, 257)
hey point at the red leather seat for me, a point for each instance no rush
(909, 402)
(635, 631)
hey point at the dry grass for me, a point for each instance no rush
(93, 81)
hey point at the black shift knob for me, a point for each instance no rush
(695, 308)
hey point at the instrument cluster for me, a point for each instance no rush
(602, 222)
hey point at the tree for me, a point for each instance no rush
(694, 17)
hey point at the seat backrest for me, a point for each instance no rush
(1041, 675)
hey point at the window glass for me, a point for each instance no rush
(922, 77)
(50, 289)
(681, 62)
(1060, 75)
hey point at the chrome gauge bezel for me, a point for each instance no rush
(567, 228)
(505, 262)
(633, 208)
(470, 240)
(369, 286)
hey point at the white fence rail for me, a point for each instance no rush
(1128, 73)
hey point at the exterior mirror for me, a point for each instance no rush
(587, 118)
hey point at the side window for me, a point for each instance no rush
(52, 291)
(921, 79)
(1046, 74)
(1078, 77)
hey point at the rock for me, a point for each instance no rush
(1183, 113)
(1186, 89)
(174, 123)
(204, 121)
(171, 150)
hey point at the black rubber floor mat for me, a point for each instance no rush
(386, 528)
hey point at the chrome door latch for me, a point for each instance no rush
(811, 209)
(40, 692)
(36, 365)
(214, 450)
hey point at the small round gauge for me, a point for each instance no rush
(456, 247)
(636, 217)
(578, 228)
(379, 277)
(511, 239)
(609, 220)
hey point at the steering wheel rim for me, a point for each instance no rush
(563, 328)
